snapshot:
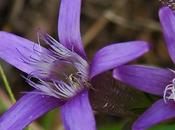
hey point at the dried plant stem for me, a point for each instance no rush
(94, 30)
(7, 86)
(132, 24)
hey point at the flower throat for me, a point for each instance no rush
(169, 92)
(60, 72)
(169, 3)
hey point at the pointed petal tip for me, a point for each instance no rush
(115, 55)
(164, 10)
(158, 112)
(163, 13)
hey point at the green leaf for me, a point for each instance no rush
(164, 127)
(116, 126)
(48, 119)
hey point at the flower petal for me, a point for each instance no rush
(157, 113)
(167, 20)
(28, 108)
(115, 55)
(146, 78)
(69, 26)
(77, 114)
(17, 50)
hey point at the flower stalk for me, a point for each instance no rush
(7, 85)
(8, 88)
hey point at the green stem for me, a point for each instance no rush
(6, 84)
(28, 128)
(8, 88)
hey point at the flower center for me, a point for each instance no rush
(169, 3)
(169, 92)
(59, 72)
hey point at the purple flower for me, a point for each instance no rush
(60, 74)
(154, 80)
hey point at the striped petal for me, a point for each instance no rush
(146, 78)
(115, 55)
(18, 51)
(167, 19)
(69, 26)
(28, 108)
(77, 113)
(158, 112)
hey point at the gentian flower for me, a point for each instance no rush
(61, 74)
(154, 80)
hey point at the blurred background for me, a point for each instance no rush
(102, 22)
